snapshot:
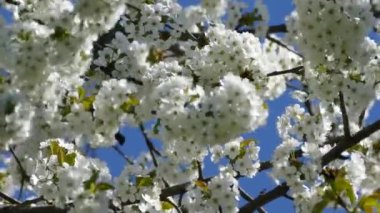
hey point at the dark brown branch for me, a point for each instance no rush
(346, 123)
(280, 28)
(296, 70)
(361, 117)
(29, 209)
(245, 195)
(9, 199)
(182, 188)
(33, 201)
(288, 197)
(263, 199)
(12, 2)
(200, 173)
(265, 165)
(307, 102)
(375, 12)
(335, 152)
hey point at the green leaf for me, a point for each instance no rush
(87, 103)
(356, 77)
(202, 185)
(70, 158)
(90, 184)
(129, 105)
(320, 206)
(155, 55)
(83, 56)
(60, 34)
(61, 155)
(156, 127)
(247, 142)
(54, 147)
(243, 146)
(251, 17)
(24, 35)
(81, 93)
(90, 73)
(64, 110)
(265, 105)
(341, 184)
(165, 205)
(142, 181)
(327, 197)
(370, 203)
(194, 97)
(9, 107)
(102, 186)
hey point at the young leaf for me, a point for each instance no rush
(202, 185)
(81, 93)
(70, 158)
(90, 184)
(102, 186)
(165, 205)
(142, 181)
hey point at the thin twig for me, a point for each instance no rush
(150, 146)
(288, 197)
(281, 28)
(346, 124)
(24, 176)
(342, 203)
(295, 70)
(280, 43)
(122, 154)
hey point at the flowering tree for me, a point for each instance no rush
(73, 72)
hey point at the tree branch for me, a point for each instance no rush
(346, 123)
(296, 70)
(263, 199)
(9, 199)
(335, 152)
(280, 28)
(153, 151)
(200, 173)
(24, 176)
(122, 154)
(31, 209)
